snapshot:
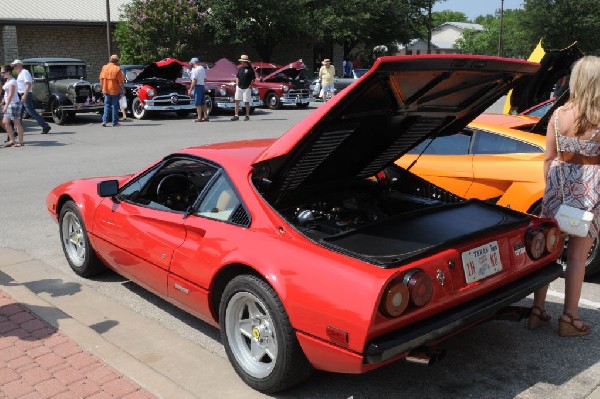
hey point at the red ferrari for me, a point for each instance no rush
(301, 252)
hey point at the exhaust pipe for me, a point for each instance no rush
(425, 356)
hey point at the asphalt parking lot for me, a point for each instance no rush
(499, 359)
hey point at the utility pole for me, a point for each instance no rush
(500, 33)
(108, 27)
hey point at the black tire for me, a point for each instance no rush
(302, 105)
(76, 244)
(182, 113)
(249, 297)
(209, 105)
(59, 116)
(272, 101)
(137, 109)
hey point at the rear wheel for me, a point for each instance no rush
(258, 338)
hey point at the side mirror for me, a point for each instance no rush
(108, 188)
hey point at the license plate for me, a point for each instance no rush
(480, 262)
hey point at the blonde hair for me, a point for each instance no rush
(584, 86)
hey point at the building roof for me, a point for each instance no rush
(462, 25)
(59, 11)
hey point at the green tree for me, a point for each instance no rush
(561, 22)
(156, 29)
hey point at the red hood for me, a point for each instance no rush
(223, 70)
(393, 107)
(291, 70)
(169, 68)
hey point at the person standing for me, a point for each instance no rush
(112, 81)
(243, 87)
(11, 107)
(572, 165)
(24, 87)
(347, 65)
(327, 75)
(198, 74)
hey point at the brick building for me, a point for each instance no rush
(78, 29)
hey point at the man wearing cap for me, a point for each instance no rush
(113, 87)
(24, 85)
(243, 87)
(198, 74)
(327, 74)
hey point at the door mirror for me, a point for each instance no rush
(108, 188)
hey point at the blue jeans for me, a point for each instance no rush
(111, 103)
(30, 108)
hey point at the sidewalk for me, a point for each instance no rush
(37, 361)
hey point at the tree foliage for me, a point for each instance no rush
(156, 29)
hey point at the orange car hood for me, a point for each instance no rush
(401, 101)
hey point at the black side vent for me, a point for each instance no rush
(413, 134)
(240, 216)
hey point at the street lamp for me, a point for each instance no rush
(500, 33)
(108, 27)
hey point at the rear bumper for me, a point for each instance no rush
(484, 307)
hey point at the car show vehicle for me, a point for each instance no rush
(220, 87)
(301, 251)
(286, 85)
(338, 82)
(153, 88)
(60, 88)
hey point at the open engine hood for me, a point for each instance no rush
(169, 68)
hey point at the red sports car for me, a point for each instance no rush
(301, 252)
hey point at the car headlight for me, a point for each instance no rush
(254, 91)
(285, 88)
(222, 91)
(151, 92)
(98, 88)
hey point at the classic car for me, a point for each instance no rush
(338, 82)
(60, 88)
(497, 158)
(220, 87)
(186, 80)
(287, 85)
(299, 251)
(153, 88)
(264, 68)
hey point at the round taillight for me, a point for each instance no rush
(535, 243)
(552, 238)
(395, 299)
(419, 286)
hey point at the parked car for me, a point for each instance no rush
(287, 85)
(152, 88)
(300, 252)
(338, 82)
(60, 88)
(220, 85)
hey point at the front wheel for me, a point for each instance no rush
(76, 244)
(209, 105)
(59, 115)
(258, 338)
(273, 101)
(137, 109)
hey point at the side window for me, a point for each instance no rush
(456, 144)
(171, 186)
(489, 143)
(220, 201)
(38, 72)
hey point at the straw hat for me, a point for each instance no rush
(244, 58)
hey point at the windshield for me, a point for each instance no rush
(66, 71)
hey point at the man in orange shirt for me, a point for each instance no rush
(111, 79)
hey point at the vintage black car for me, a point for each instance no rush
(60, 88)
(153, 88)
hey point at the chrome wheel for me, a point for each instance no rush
(73, 238)
(251, 334)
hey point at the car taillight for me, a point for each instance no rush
(395, 299)
(419, 286)
(535, 243)
(552, 237)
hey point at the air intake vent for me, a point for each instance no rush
(240, 217)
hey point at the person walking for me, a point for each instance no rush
(198, 74)
(572, 165)
(327, 75)
(112, 81)
(11, 107)
(24, 88)
(243, 87)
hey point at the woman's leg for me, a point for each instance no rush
(20, 130)
(577, 255)
(9, 130)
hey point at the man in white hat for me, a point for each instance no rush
(243, 87)
(24, 85)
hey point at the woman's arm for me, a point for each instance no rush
(550, 153)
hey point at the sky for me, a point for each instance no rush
(474, 8)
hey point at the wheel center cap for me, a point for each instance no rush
(255, 332)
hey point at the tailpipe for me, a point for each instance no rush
(425, 356)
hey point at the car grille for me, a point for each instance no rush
(83, 93)
(297, 93)
(240, 217)
(171, 99)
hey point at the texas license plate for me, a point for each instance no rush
(480, 262)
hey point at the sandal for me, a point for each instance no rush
(19, 145)
(568, 328)
(538, 317)
(9, 144)
(198, 120)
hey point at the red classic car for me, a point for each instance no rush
(301, 252)
(220, 86)
(287, 85)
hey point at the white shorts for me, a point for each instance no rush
(244, 95)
